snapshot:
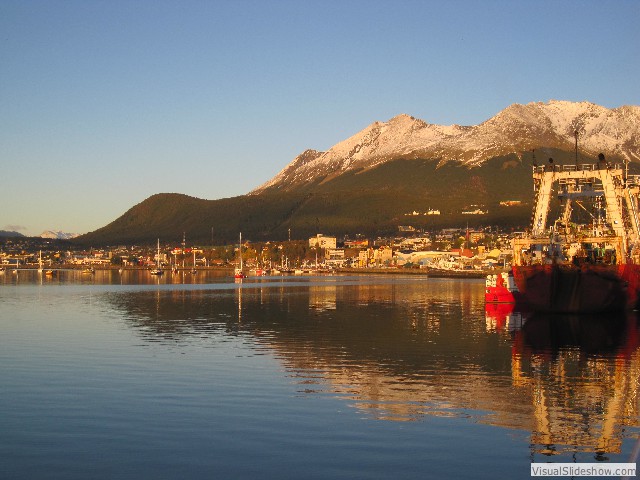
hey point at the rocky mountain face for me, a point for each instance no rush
(516, 129)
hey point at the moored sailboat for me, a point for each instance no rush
(238, 272)
(157, 270)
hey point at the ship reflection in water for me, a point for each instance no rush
(580, 375)
(400, 351)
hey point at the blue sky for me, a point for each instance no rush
(104, 103)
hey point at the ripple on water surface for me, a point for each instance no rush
(327, 378)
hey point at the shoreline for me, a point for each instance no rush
(428, 272)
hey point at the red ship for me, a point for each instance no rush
(590, 267)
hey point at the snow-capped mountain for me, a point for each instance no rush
(516, 129)
(59, 235)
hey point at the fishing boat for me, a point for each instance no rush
(238, 272)
(157, 270)
(594, 266)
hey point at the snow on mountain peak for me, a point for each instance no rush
(59, 235)
(515, 129)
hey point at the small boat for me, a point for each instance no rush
(157, 270)
(88, 271)
(501, 288)
(238, 272)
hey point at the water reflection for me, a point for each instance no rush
(581, 374)
(401, 349)
(61, 276)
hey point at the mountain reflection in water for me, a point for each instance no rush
(399, 350)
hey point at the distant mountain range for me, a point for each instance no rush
(8, 233)
(401, 172)
(59, 235)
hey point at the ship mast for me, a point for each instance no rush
(575, 134)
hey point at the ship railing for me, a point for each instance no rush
(585, 167)
(577, 168)
(581, 181)
(633, 180)
(566, 238)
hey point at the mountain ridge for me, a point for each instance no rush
(375, 180)
(516, 129)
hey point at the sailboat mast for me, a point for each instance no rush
(240, 250)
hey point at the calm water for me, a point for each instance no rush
(131, 376)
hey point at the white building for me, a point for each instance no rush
(323, 242)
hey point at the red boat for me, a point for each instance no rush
(581, 268)
(501, 288)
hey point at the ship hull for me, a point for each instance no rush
(572, 289)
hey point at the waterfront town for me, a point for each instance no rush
(454, 249)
